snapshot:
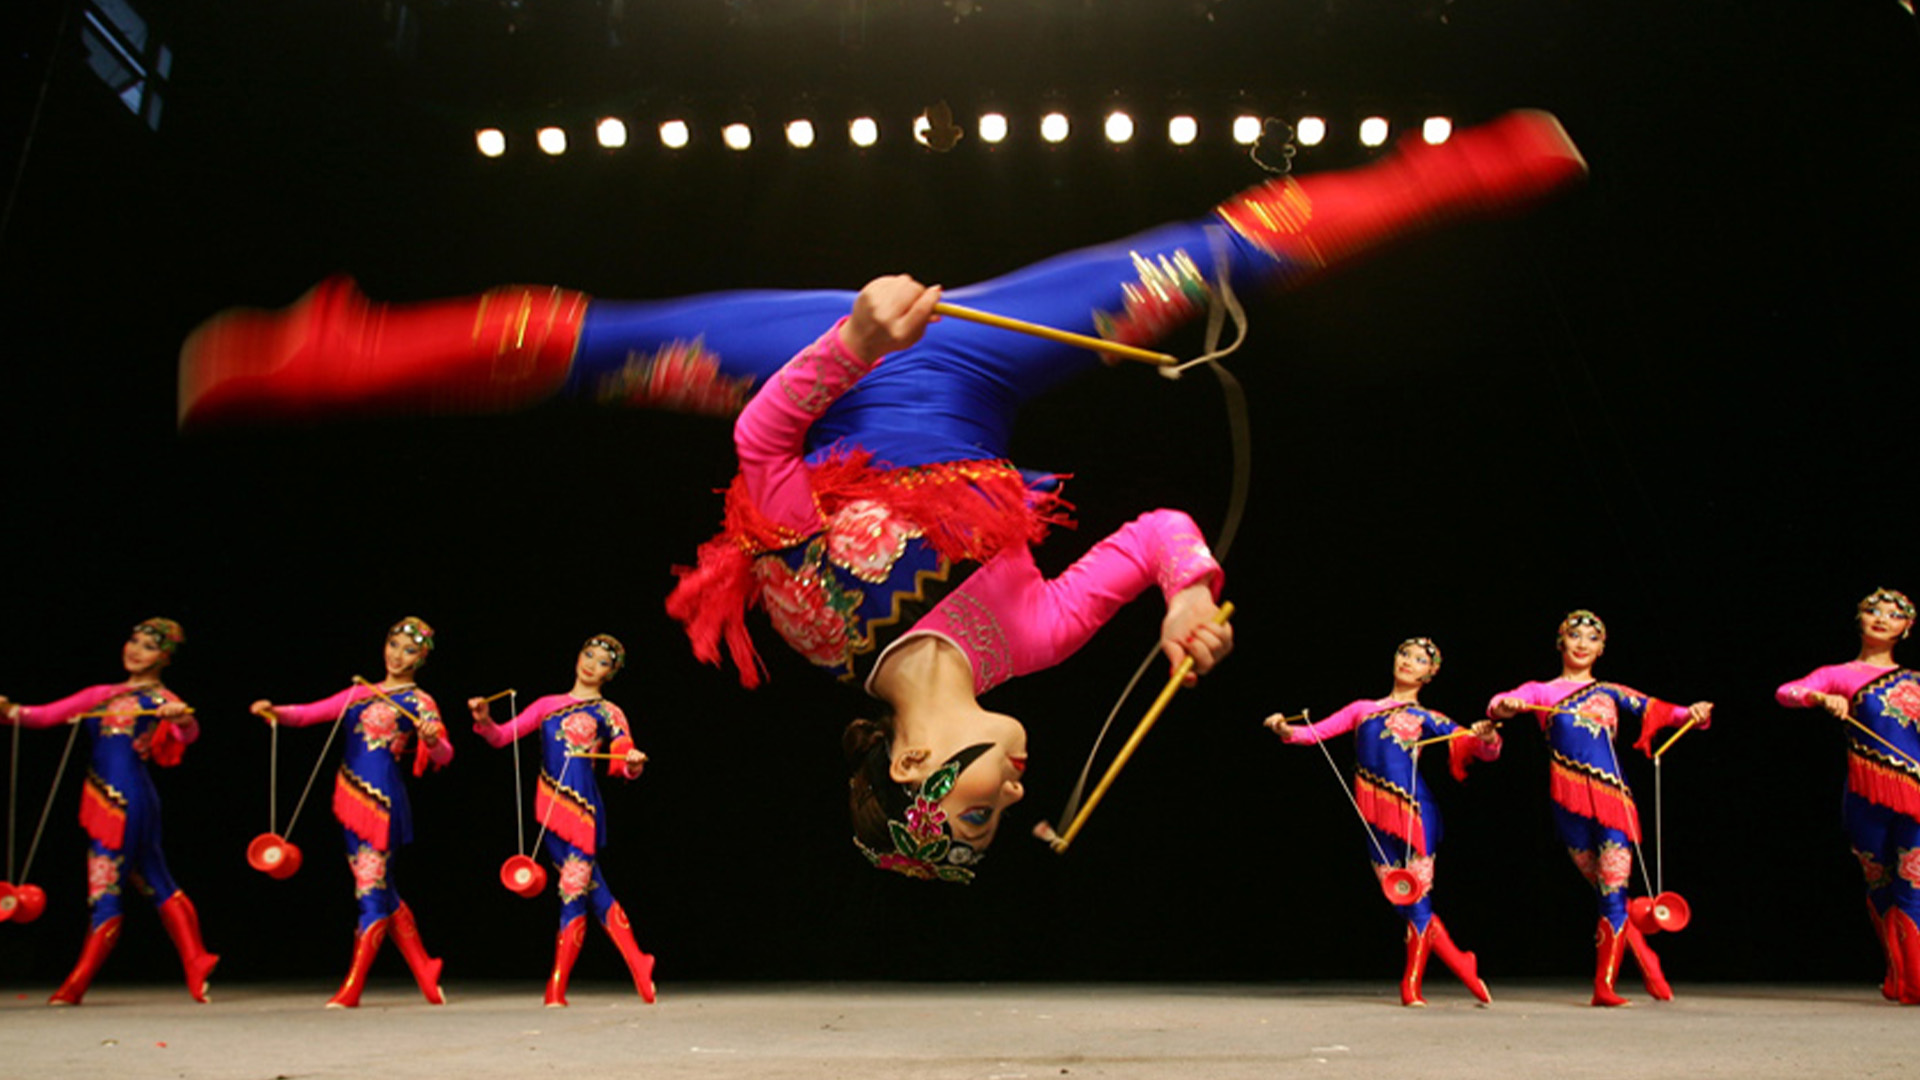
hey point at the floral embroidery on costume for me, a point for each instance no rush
(1910, 866)
(1167, 295)
(808, 607)
(121, 717)
(576, 877)
(683, 376)
(581, 730)
(1615, 867)
(1597, 715)
(1403, 727)
(867, 538)
(1872, 869)
(103, 876)
(1884, 772)
(369, 868)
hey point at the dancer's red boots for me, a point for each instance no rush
(177, 914)
(100, 942)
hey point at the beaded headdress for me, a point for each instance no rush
(1888, 596)
(166, 630)
(1433, 652)
(923, 843)
(613, 648)
(1580, 617)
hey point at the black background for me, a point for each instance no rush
(1681, 396)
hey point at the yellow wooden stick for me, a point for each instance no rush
(1684, 728)
(490, 698)
(137, 712)
(1060, 843)
(383, 697)
(1065, 337)
(601, 757)
(1449, 737)
(1558, 709)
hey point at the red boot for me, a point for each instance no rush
(1890, 985)
(1650, 973)
(639, 963)
(1904, 936)
(366, 946)
(1321, 219)
(1418, 943)
(566, 949)
(333, 351)
(1464, 965)
(426, 969)
(1611, 946)
(177, 914)
(100, 942)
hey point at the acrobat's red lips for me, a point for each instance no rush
(1019, 762)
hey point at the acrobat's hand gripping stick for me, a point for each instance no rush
(1059, 842)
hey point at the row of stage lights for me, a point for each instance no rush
(992, 128)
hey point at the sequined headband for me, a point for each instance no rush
(1581, 617)
(923, 844)
(420, 632)
(612, 646)
(1433, 653)
(166, 630)
(1889, 596)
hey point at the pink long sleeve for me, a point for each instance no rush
(326, 710)
(1009, 620)
(529, 720)
(67, 708)
(1338, 724)
(770, 434)
(1843, 679)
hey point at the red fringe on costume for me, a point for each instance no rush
(1882, 784)
(565, 816)
(1389, 811)
(967, 510)
(1592, 797)
(103, 813)
(363, 811)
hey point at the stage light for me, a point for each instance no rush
(552, 140)
(993, 127)
(1119, 127)
(612, 132)
(737, 136)
(1436, 130)
(1373, 131)
(674, 134)
(1054, 127)
(863, 131)
(1246, 129)
(1310, 131)
(491, 141)
(1182, 130)
(799, 134)
(921, 125)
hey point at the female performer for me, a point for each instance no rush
(1593, 808)
(128, 724)
(1882, 801)
(370, 797)
(1401, 816)
(576, 723)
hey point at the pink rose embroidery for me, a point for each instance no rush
(379, 723)
(580, 730)
(1600, 709)
(867, 539)
(1583, 861)
(682, 376)
(1404, 725)
(1422, 868)
(1903, 702)
(119, 718)
(801, 609)
(369, 870)
(1910, 866)
(1871, 869)
(103, 876)
(576, 877)
(1616, 867)
(913, 868)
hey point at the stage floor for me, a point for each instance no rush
(960, 1032)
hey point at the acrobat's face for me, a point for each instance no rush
(989, 785)
(403, 654)
(1582, 645)
(1412, 665)
(595, 667)
(142, 654)
(1884, 623)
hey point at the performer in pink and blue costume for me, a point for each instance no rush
(1881, 804)
(128, 724)
(1403, 821)
(383, 721)
(568, 804)
(1593, 808)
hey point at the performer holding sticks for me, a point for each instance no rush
(573, 728)
(127, 725)
(1593, 809)
(1880, 703)
(1402, 820)
(370, 796)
